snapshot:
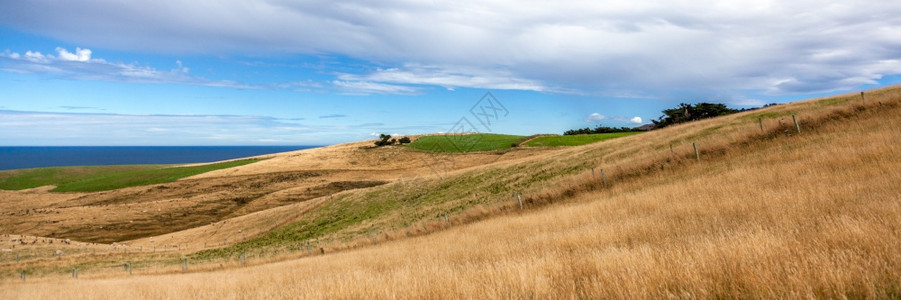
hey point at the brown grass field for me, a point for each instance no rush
(769, 213)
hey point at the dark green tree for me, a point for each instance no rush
(385, 140)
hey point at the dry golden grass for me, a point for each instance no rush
(770, 214)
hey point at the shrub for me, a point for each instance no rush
(385, 140)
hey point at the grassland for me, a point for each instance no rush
(466, 142)
(765, 213)
(103, 178)
(575, 140)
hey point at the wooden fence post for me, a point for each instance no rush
(697, 154)
(519, 197)
(22, 275)
(604, 176)
(75, 273)
(761, 123)
(797, 126)
(862, 97)
(184, 263)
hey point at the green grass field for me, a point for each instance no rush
(466, 143)
(103, 178)
(575, 140)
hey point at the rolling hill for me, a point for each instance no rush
(764, 208)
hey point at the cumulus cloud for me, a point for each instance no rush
(642, 46)
(636, 120)
(595, 117)
(81, 55)
(31, 56)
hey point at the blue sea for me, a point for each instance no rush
(37, 157)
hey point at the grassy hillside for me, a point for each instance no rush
(418, 205)
(102, 178)
(466, 142)
(575, 140)
(769, 213)
(764, 213)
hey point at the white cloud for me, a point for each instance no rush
(80, 65)
(369, 87)
(642, 46)
(595, 117)
(32, 57)
(81, 55)
(450, 77)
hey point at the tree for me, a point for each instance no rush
(385, 140)
(404, 140)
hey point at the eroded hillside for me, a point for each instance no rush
(280, 180)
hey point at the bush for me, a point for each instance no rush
(385, 140)
(404, 140)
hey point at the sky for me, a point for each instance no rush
(283, 72)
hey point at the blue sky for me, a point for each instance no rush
(279, 72)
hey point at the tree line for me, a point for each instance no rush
(599, 129)
(386, 140)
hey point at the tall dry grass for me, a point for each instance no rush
(770, 214)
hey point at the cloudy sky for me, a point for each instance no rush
(283, 72)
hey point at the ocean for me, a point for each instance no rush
(37, 157)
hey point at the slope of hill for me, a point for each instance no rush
(204, 200)
(763, 209)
